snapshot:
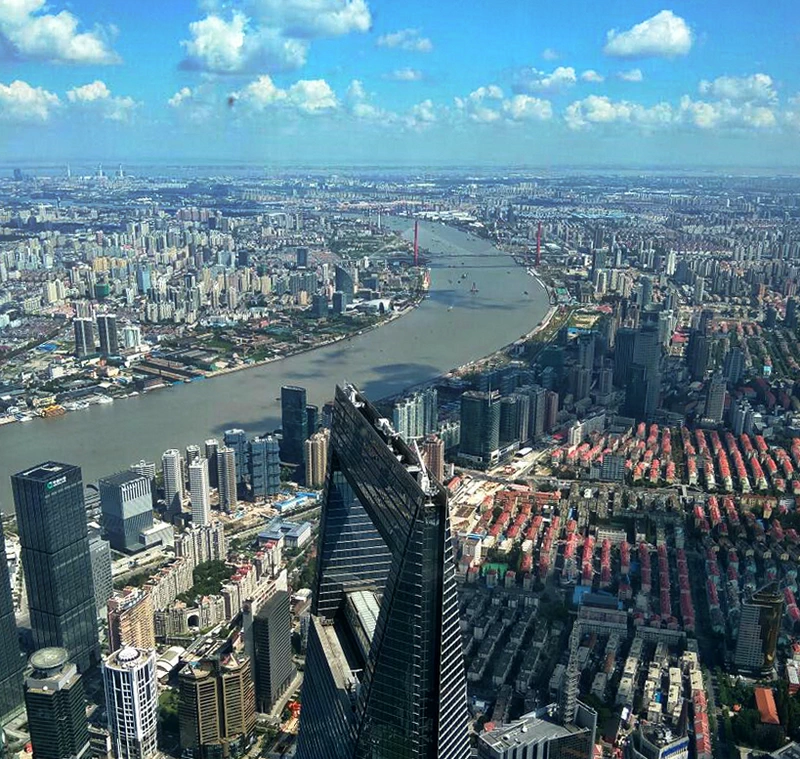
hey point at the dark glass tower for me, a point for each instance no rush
(56, 706)
(384, 674)
(272, 640)
(294, 421)
(264, 463)
(11, 660)
(55, 557)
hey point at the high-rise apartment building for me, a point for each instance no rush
(236, 439)
(272, 637)
(624, 344)
(129, 677)
(226, 479)
(56, 707)
(759, 626)
(264, 463)
(84, 337)
(199, 492)
(211, 447)
(417, 415)
(294, 423)
(107, 331)
(715, 399)
(433, 455)
(51, 519)
(480, 427)
(316, 455)
(172, 470)
(217, 710)
(126, 501)
(131, 619)
(385, 610)
(12, 662)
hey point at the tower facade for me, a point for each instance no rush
(265, 466)
(56, 707)
(84, 337)
(55, 557)
(131, 619)
(12, 662)
(386, 580)
(294, 422)
(172, 469)
(127, 503)
(199, 492)
(107, 330)
(316, 455)
(759, 627)
(226, 478)
(129, 677)
(272, 638)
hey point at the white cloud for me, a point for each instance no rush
(309, 96)
(406, 39)
(405, 75)
(421, 115)
(234, 46)
(665, 35)
(477, 104)
(308, 19)
(532, 80)
(756, 88)
(549, 54)
(183, 95)
(29, 33)
(527, 108)
(19, 102)
(599, 109)
(590, 75)
(792, 116)
(726, 114)
(632, 75)
(98, 97)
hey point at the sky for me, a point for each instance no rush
(527, 83)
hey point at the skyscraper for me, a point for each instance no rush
(127, 505)
(56, 707)
(272, 638)
(12, 662)
(199, 492)
(759, 626)
(211, 447)
(715, 399)
(131, 619)
(385, 580)
(294, 423)
(236, 439)
(100, 553)
(129, 677)
(316, 455)
(265, 466)
(734, 365)
(172, 470)
(51, 518)
(217, 710)
(226, 478)
(107, 330)
(480, 427)
(84, 337)
(623, 355)
(433, 453)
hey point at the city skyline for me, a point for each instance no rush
(356, 82)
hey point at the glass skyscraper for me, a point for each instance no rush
(384, 674)
(55, 557)
(265, 466)
(11, 661)
(294, 422)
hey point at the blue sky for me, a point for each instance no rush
(523, 82)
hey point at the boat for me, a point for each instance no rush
(473, 289)
(449, 308)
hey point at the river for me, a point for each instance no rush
(451, 327)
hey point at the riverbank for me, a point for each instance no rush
(449, 328)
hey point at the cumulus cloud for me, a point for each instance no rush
(421, 116)
(726, 114)
(406, 39)
(530, 80)
(632, 75)
(19, 102)
(234, 46)
(478, 104)
(792, 115)
(527, 108)
(590, 75)
(405, 75)
(27, 32)
(664, 35)
(549, 54)
(599, 109)
(268, 35)
(183, 95)
(307, 96)
(97, 97)
(755, 88)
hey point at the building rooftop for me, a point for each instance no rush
(530, 728)
(46, 471)
(765, 703)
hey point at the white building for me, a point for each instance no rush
(173, 479)
(199, 492)
(129, 677)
